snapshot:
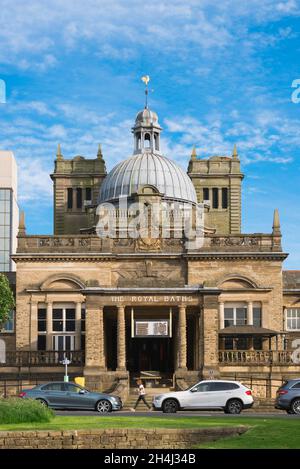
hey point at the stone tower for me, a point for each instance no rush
(76, 184)
(218, 180)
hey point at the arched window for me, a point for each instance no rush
(156, 141)
(147, 140)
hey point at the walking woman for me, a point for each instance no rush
(142, 394)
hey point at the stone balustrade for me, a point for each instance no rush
(256, 357)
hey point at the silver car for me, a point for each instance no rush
(231, 396)
(61, 395)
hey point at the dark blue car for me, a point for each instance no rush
(288, 397)
(61, 395)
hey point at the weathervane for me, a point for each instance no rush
(146, 80)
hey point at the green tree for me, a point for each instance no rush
(7, 301)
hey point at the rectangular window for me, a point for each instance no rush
(235, 316)
(224, 197)
(88, 194)
(63, 342)
(215, 198)
(63, 320)
(241, 316)
(79, 197)
(293, 319)
(206, 193)
(42, 320)
(229, 317)
(9, 325)
(70, 320)
(257, 317)
(70, 197)
(41, 342)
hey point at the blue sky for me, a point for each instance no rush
(221, 73)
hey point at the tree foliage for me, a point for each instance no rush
(7, 301)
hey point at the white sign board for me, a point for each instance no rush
(152, 328)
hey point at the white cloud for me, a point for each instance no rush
(116, 28)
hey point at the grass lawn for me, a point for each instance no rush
(263, 432)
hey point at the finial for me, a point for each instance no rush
(276, 223)
(146, 80)
(194, 153)
(22, 228)
(99, 154)
(235, 153)
(59, 156)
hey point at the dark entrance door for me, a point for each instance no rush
(155, 354)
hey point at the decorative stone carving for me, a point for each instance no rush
(148, 244)
(85, 242)
(235, 241)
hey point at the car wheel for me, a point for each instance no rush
(43, 402)
(170, 406)
(103, 406)
(234, 406)
(290, 411)
(295, 407)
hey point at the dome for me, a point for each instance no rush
(146, 117)
(148, 168)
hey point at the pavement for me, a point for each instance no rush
(181, 414)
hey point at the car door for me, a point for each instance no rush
(77, 397)
(197, 396)
(53, 393)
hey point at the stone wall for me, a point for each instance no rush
(115, 438)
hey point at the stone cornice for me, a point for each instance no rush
(236, 255)
(90, 257)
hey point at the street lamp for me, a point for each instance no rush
(66, 362)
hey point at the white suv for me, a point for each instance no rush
(230, 396)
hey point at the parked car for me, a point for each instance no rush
(61, 395)
(288, 397)
(230, 396)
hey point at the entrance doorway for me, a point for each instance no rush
(151, 354)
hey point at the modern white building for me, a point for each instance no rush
(9, 212)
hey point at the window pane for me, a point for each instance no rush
(79, 197)
(70, 313)
(57, 314)
(241, 316)
(70, 198)
(58, 326)
(41, 343)
(215, 194)
(88, 193)
(257, 317)
(42, 326)
(42, 314)
(73, 388)
(206, 193)
(70, 326)
(224, 197)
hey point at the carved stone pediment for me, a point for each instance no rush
(150, 273)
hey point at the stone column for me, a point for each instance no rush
(250, 313)
(182, 338)
(33, 325)
(221, 315)
(94, 343)
(49, 345)
(121, 339)
(210, 336)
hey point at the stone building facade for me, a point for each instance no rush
(122, 306)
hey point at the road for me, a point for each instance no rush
(251, 414)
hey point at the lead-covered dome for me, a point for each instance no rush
(148, 168)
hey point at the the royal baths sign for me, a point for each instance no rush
(148, 299)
